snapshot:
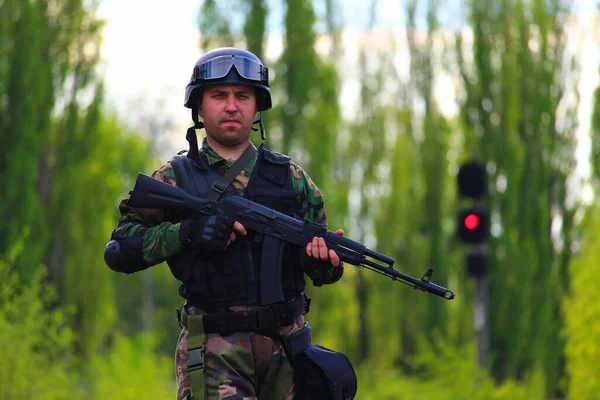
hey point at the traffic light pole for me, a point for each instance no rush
(477, 269)
(480, 319)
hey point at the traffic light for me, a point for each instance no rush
(473, 225)
(477, 262)
(471, 180)
(473, 221)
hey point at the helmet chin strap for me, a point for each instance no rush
(259, 121)
(191, 135)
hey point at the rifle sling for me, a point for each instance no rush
(221, 185)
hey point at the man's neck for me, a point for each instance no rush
(228, 152)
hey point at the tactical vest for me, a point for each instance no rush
(212, 280)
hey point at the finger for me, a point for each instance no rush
(340, 232)
(230, 240)
(309, 249)
(323, 254)
(315, 247)
(238, 227)
(334, 258)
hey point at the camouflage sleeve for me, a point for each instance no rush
(157, 227)
(312, 208)
(311, 205)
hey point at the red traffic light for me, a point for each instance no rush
(473, 225)
(471, 221)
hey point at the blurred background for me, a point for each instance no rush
(383, 103)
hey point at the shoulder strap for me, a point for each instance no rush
(219, 186)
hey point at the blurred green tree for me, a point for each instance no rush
(58, 150)
(582, 313)
(519, 109)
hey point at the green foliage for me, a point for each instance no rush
(595, 135)
(443, 372)
(133, 369)
(77, 216)
(36, 342)
(131, 300)
(23, 128)
(293, 86)
(582, 314)
(47, 55)
(255, 26)
(219, 23)
(38, 357)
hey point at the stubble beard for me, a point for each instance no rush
(231, 138)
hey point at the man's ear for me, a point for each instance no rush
(199, 107)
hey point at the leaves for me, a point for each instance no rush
(582, 313)
(36, 341)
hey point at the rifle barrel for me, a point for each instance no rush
(416, 283)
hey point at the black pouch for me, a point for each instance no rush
(319, 373)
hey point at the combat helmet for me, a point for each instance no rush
(229, 65)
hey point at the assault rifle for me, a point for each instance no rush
(275, 228)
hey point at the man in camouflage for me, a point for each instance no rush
(246, 363)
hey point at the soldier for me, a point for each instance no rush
(234, 344)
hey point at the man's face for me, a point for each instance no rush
(228, 112)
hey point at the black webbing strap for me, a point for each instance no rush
(219, 186)
(263, 319)
(298, 341)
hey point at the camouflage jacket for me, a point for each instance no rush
(160, 229)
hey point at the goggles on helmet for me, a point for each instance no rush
(219, 67)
